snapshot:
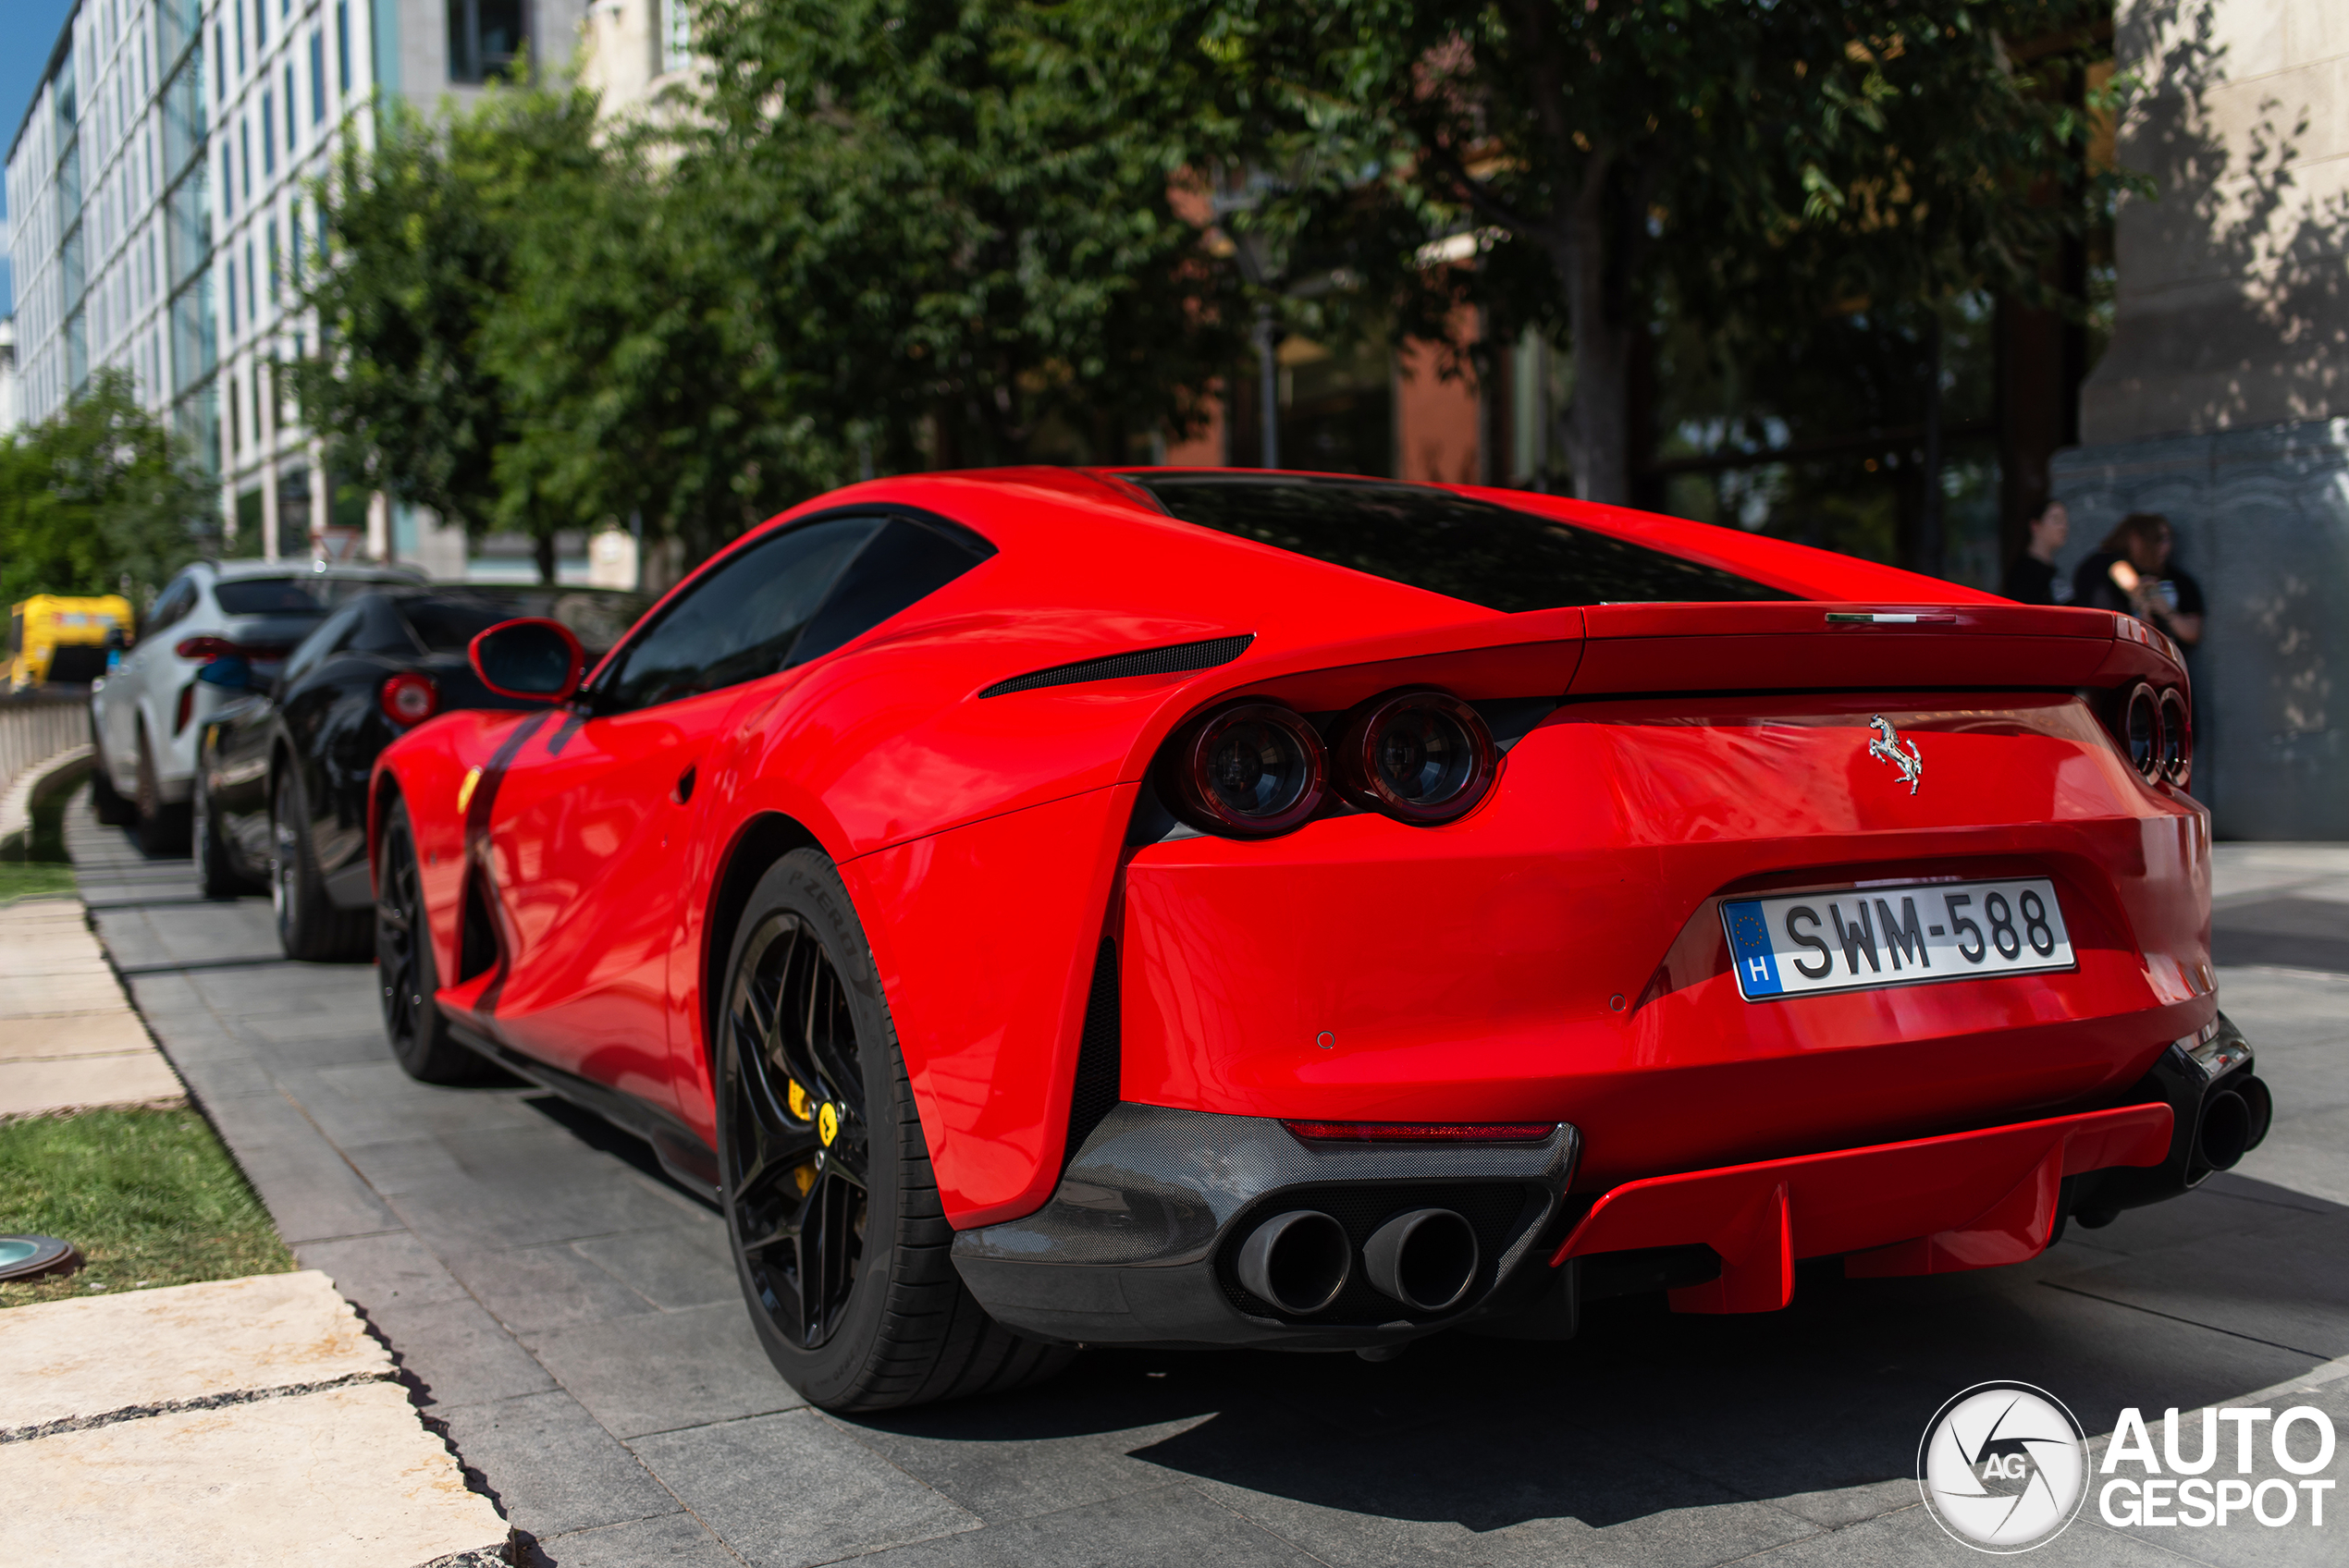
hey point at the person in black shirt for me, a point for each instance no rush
(2131, 572)
(2031, 577)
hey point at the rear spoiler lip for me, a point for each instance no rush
(1842, 618)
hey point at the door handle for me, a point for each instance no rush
(684, 790)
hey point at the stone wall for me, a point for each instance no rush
(2224, 399)
(2261, 517)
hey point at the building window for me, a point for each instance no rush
(676, 35)
(253, 288)
(485, 38)
(260, 25)
(219, 67)
(317, 77)
(342, 44)
(233, 298)
(244, 146)
(273, 261)
(240, 41)
(293, 117)
(268, 135)
(236, 424)
(228, 183)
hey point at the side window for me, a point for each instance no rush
(334, 634)
(906, 561)
(380, 629)
(740, 623)
(177, 601)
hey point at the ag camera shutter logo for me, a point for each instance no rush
(2003, 1467)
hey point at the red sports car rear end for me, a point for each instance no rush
(1223, 908)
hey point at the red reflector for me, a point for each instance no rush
(1423, 1131)
(186, 706)
(409, 698)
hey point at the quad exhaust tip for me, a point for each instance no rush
(1425, 1258)
(1298, 1261)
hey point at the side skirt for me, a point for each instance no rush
(693, 1163)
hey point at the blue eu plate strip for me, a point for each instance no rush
(1749, 949)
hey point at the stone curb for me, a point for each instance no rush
(36, 784)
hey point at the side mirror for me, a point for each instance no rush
(533, 657)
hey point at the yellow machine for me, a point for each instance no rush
(51, 639)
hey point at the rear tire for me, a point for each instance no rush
(107, 802)
(309, 925)
(406, 975)
(838, 1237)
(217, 875)
(163, 829)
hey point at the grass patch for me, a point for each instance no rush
(150, 1196)
(33, 879)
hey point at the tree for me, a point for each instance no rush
(962, 217)
(1753, 161)
(644, 368)
(98, 492)
(416, 271)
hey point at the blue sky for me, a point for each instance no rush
(28, 32)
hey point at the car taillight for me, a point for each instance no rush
(1423, 1131)
(205, 649)
(186, 706)
(2177, 738)
(1422, 757)
(1248, 771)
(409, 698)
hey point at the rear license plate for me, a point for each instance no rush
(1864, 937)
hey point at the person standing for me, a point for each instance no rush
(2131, 572)
(2031, 577)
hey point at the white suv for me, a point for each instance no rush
(146, 713)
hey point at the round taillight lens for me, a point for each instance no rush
(409, 698)
(2177, 738)
(2141, 731)
(1420, 758)
(1248, 771)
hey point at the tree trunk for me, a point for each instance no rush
(1595, 425)
(543, 548)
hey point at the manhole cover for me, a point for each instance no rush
(24, 1257)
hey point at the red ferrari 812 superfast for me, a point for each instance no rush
(1046, 908)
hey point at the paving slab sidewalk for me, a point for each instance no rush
(238, 1422)
(68, 1039)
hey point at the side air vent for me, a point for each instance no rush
(1145, 661)
(1097, 1056)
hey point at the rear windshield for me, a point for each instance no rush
(270, 596)
(447, 623)
(1447, 544)
(282, 596)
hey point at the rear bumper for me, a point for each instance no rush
(1928, 1206)
(1139, 1242)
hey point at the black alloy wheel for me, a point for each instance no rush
(309, 925)
(798, 1177)
(405, 973)
(832, 1208)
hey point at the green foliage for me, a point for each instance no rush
(418, 268)
(1757, 163)
(963, 216)
(149, 1196)
(98, 491)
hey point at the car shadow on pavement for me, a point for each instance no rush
(1648, 1411)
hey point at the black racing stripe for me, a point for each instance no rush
(485, 796)
(561, 737)
(1141, 661)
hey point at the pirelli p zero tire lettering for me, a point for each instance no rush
(831, 1209)
(405, 975)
